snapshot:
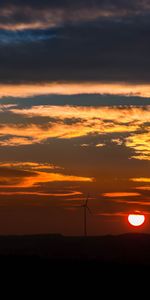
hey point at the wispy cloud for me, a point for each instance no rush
(24, 15)
(114, 88)
(120, 194)
(37, 193)
(143, 188)
(140, 179)
(30, 14)
(37, 178)
(28, 165)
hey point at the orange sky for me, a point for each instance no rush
(74, 115)
(52, 156)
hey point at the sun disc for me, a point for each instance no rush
(136, 219)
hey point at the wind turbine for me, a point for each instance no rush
(85, 209)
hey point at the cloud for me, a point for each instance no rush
(120, 115)
(70, 122)
(11, 178)
(141, 144)
(36, 193)
(39, 123)
(140, 179)
(99, 145)
(143, 188)
(38, 179)
(16, 141)
(112, 50)
(30, 90)
(29, 165)
(79, 100)
(117, 141)
(18, 15)
(120, 194)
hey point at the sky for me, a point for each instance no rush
(74, 115)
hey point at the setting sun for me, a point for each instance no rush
(136, 219)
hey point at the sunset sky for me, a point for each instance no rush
(74, 115)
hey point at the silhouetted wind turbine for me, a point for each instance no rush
(85, 209)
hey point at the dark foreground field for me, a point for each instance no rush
(49, 260)
(122, 250)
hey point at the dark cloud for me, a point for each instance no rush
(10, 173)
(115, 48)
(73, 100)
(64, 4)
(97, 51)
(49, 13)
(11, 118)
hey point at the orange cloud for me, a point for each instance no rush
(135, 115)
(41, 194)
(38, 178)
(27, 90)
(25, 26)
(140, 179)
(141, 144)
(29, 165)
(86, 120)
(30, 178)
(120, 194)
(143, 188)
(89, 120)
(16, 141)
